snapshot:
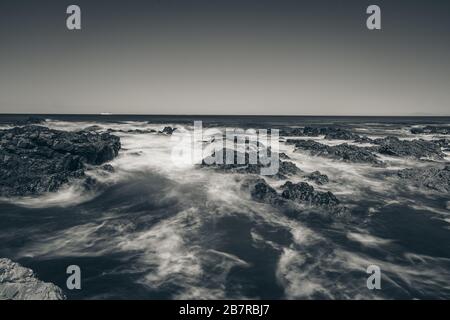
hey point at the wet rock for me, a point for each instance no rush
(303, 192)
(168, 130)
(317, 177)
(404, 148)
(242, 163)
(300, 193)
(19, 283)
(344, 152)
(430, 178)
(35, 159)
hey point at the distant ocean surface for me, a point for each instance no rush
(157, 231)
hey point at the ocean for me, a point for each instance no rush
(153, 230)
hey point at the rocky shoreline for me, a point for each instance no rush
(35, 159)
(20, 283)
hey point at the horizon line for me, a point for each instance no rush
(211, 115)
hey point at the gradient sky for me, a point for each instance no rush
(225, 57)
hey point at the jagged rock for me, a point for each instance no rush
(301, 193)
(431, 178)
(35, 159)
(317, 177)
(345, 152)
(404, 148)
(283, 156)
(431, 130)
(20, 283)
(168, 130)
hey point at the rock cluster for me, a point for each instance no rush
(19, 283)
(404, 148)
(285, 169)
(345, 152)
(35, 159)
(300, 193)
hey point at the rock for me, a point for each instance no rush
(285, 168)
(328, 132)
(168, 130)
(317, 177)
(261, 191)
(300, 193)
(431, 130)
(283, 156)
(294, 132)
(35, 159)
(404, 148)
(344, 152)
(341, 134)
(20, 283)
(303, 192)
(430, 178)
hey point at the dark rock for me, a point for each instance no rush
(300, 193)
(291, 132)
(345, 152)
(317, 177)
(168, 130)
(284, 156)
(303, 192)
(431, 178)
(19, 283)
(341, 134)
(35, 159)
(404, 148)
(285, 168)
(328, 132)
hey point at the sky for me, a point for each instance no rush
(253, 57)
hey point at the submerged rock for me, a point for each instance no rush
(317, 177)
(430, 178)
(35, 159)
(20, 283)
(345, 152)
